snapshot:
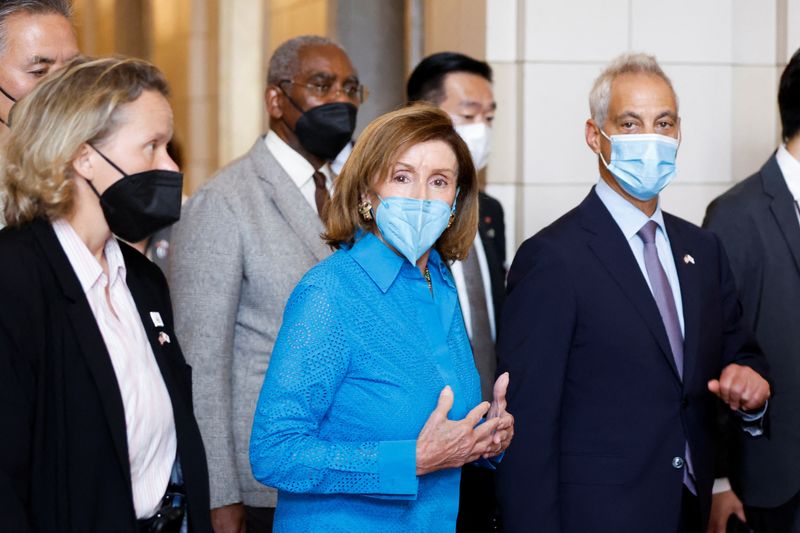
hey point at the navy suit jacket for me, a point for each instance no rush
(601, 412)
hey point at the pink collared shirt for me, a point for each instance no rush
(149, 420)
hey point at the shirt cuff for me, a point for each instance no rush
(753, 423)
(752, 417)
(721, 484)
(397, 467)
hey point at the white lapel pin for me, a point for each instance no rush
(156, 318)
(163, 338)
(688, 259)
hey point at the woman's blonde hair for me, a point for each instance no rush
(75, 105)
(372, 160)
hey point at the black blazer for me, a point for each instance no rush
(492, 231)
(757, 223)
(601, 413)
(492, 223)
(64, 456)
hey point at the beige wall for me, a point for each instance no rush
(290, 18)
(455, 25)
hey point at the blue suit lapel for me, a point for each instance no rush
(612, 250)
(691, 291)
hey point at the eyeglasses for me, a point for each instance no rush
(321, 89)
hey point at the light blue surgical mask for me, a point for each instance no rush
(642, 163)
(412, 226)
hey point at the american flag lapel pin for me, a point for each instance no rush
(163, 338)
(688, 259)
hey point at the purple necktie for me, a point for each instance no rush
(662, 292)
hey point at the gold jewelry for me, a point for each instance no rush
(452, 218)
(365, 210)
(427, 276)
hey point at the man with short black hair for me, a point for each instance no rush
(757, 222)
(462, 86)
(244, 241)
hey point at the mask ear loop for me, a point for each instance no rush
(600, 153)
(91, 185)
(110, 162)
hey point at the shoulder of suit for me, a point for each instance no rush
(247, 168)
(137, 261)
(690, 233)
(19, 250)
(742, 194)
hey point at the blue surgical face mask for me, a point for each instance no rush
(412, 226)
(642, 163)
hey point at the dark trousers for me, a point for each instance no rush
(691, 517)
(259, 519)
(783, 519)
(477, 505)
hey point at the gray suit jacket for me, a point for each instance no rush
(244, 241)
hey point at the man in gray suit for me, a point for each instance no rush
(245, 239)
(758, 222)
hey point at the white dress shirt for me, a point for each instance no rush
(149, 421)
(790, 168)
(298, 168)
(457, 269)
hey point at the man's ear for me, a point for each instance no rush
(273, 98)
(82, 164)
(592, 133)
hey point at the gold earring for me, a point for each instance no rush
(365, 210)
(452, 218)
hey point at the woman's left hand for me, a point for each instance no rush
(505, 428)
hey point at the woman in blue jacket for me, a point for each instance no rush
(372, 402)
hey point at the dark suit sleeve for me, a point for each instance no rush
(17, 392)
(538, 323)
(740, 345)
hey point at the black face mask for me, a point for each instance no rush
(326, 129)
(7, 122)
(140, 204)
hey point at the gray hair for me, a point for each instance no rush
(628, 63)
(34, 7)
(285, 63)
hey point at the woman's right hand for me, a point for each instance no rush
(444, 443)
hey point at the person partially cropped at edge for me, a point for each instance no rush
(372, 400)
(95, 395)
(758, 222)
(622, 327)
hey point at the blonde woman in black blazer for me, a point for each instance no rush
(87, 157)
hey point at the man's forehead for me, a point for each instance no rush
(40, 37)
(634, 90)
(469, 88)
(329, 59)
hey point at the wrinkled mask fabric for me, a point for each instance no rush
(478, 138)
(326, 129)
(643, 164)
(412, 226)
(140, 204)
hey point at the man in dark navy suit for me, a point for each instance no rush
(621, 329)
